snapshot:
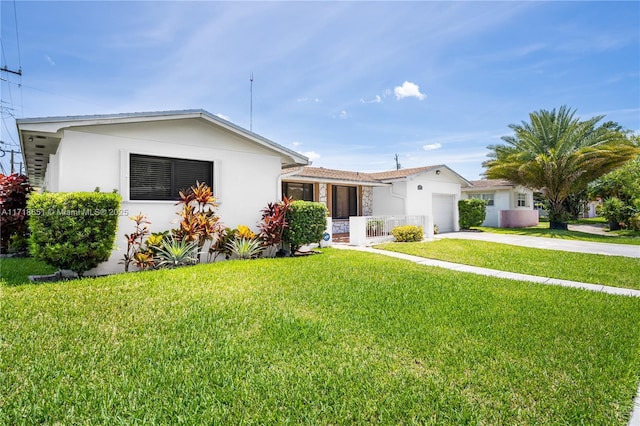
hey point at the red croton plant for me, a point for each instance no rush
(14, 190)
(198, 220)
(273, 224)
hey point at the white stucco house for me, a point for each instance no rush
(508, 205)
(431, 191)
(148, 157)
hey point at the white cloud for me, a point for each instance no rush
(342, 115)
(431, 146)
(224, 117)
(407, 90)
(311, 155)
(375, 100)
(48, 58)
(296, 144)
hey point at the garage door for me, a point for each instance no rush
(443, 212)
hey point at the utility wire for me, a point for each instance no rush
(15, 17)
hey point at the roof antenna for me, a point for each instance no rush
(251, 102)
(398, 165)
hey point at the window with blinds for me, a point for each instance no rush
(298, 191)
(161, 178)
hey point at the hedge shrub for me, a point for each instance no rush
(408, 233)
(307, 223)
(471, 212)
(74, 230)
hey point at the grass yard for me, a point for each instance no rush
(338, 338)
(615, 271)
(16, 270)
(542, 230)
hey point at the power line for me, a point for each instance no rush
(9, 105)
(15, 17)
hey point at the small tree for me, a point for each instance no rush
(307, 222)
(14, 191)
(471, 212)
(622, 183)
(74, 230)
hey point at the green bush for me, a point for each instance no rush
(471, 212)
(408, 233)
(74, 230)
(616, 212)
(634, 222)
(307, 222)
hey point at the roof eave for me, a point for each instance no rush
(55, 125)
(312, 179)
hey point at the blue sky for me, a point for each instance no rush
(350, 84)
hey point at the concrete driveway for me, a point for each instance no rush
(609, 249)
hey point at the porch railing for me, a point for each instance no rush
(365, 230)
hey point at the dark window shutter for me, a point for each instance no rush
(160, 178)
(149, 178)
(188, 172)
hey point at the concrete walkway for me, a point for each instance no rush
(594, 228)
(494, 272)
(609, 249)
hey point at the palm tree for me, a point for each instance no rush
(559, 155)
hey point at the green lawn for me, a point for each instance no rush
(542, 230)
(613, 271)
(337, 338)
(16, 270)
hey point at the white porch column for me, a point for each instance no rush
(428, 231)
(357, 230)
(328, 242)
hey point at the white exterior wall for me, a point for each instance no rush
(51, 175)
(404, 197)
(421, 201)
(246, 176)
(389, 200)
(502, 200)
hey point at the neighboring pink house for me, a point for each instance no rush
(508, 205)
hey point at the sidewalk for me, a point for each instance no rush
(609, 249)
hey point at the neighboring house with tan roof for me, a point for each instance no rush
(431, 191)
(508, 205)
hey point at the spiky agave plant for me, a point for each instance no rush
(173, 253)
(245, 248)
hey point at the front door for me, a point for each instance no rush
(344, 202)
